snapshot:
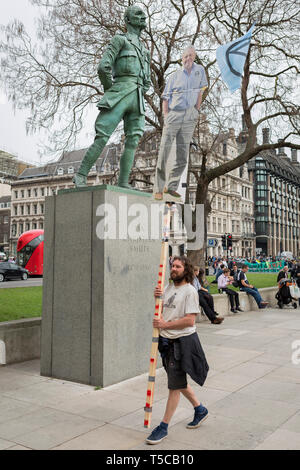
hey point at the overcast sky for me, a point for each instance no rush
(13, 138)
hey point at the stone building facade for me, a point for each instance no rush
(231, 198)
(276, 178)
(4, 223)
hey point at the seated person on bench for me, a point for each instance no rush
(249, 288)
(223, 282)
(206, 301)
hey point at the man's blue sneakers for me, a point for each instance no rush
(158, 434)
(200, 415)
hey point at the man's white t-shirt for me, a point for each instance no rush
(178, 302)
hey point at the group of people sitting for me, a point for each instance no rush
(225, 279)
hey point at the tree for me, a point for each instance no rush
(57, 79)
(268, 92)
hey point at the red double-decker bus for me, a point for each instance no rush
(30, 251)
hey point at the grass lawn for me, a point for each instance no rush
(26, 302)
(256, 279)
(20, 302)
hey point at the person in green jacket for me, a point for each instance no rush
(124, 72)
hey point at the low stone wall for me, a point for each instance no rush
(247, 302)
(20, 340)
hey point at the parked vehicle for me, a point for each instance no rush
(12, 271)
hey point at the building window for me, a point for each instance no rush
(34, 226)
(28, 209)
(29, 192)
(42, 191)
(6, 219)
(60, 171)
(261, 177)
(42, 208)
(27, 227)
(13, 230)
(71, 170)
(22, 193)
(16, 210)
(35, 209)
(22, 210)
(35, 193)
(16, 194)
(41, 225)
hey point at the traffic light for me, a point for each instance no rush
(229, 241)
(224, 241)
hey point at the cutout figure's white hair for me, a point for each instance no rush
(188, 48)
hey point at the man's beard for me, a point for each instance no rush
(177, 279)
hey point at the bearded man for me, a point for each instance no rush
(179, 345)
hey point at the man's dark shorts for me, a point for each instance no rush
(172, 364)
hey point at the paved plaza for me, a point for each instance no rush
(252, 394)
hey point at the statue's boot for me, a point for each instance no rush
(79, 180)
(125, 167)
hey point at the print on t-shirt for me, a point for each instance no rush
(170, 304)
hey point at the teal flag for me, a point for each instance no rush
(231, 60)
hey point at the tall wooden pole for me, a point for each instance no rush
(157, 314)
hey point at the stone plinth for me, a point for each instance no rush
(98, 299)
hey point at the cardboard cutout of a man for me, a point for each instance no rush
(124, 72)
(182, 99)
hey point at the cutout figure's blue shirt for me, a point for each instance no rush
(182, 89)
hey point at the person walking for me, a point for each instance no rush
(179, 346)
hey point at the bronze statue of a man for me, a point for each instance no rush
(124, 72)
